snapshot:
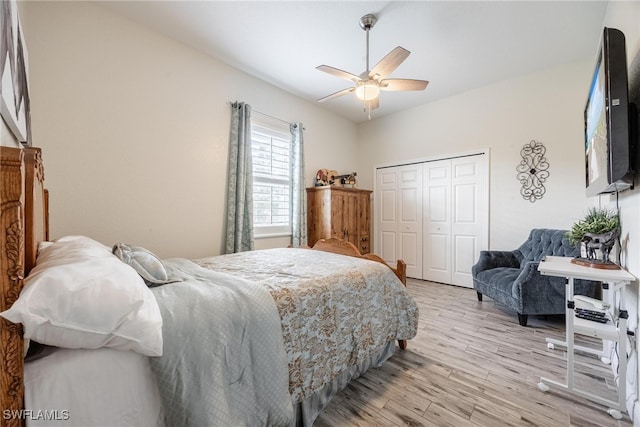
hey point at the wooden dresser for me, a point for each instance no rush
(343, 213)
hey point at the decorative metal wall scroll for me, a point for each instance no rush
(533, 171)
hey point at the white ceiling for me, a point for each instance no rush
(456, 45)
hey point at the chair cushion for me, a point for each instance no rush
(542, 242)
(499, 283)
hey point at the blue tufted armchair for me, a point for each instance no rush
(512, 277)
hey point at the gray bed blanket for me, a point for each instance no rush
(223, 362)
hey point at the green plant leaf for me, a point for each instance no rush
(597, 221)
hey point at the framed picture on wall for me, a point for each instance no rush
(14, 85)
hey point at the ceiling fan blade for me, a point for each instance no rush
(338, 73)
(389, 63)
(403, 84)
(337, 94)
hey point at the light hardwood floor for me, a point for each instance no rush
(472, 364)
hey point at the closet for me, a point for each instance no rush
(343, 213)
(434, 214)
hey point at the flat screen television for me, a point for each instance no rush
(608, 145)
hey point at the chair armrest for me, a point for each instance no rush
(495, 259)
(529, 270)
(533, 287)
(535, 282)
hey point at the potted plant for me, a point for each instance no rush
(598, 233)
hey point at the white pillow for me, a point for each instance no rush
(80, 295)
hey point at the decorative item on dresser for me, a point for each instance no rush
(341, 213)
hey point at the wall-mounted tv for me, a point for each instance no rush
(608, 146)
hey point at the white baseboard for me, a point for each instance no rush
(636, 413)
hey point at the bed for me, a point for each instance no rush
(305, 329)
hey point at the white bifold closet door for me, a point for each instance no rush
(434, 216)
(398, 217)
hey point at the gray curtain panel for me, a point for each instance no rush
(240, 181)
(298, 190)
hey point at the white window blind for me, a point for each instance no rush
(271, 152)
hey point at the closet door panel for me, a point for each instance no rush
(469, 227)
(434, 215)
(410, 215)
(399, 216)
(463, 259)
(437, 221)
(386, 218)
(386, 243)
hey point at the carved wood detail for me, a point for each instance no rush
(11, 279)
(36, 223)
(34, 163)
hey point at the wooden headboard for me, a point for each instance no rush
(347, 248)
(23, 223)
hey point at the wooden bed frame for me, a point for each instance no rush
(24, 222)
(347, 248)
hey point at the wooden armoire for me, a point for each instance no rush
(343, 213)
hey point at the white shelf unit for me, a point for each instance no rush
(611, 333)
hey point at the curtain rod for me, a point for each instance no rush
(253, 110)
(276, 118)
(271, 117)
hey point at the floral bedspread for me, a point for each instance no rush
(335, 310)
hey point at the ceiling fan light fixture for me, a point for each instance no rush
(367, 90)
(369, 83)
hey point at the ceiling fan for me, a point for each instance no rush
(369, 84)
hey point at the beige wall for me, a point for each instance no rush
(546, 106)
(625, 16)
(134, 129)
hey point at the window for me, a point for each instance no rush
(271, 152)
